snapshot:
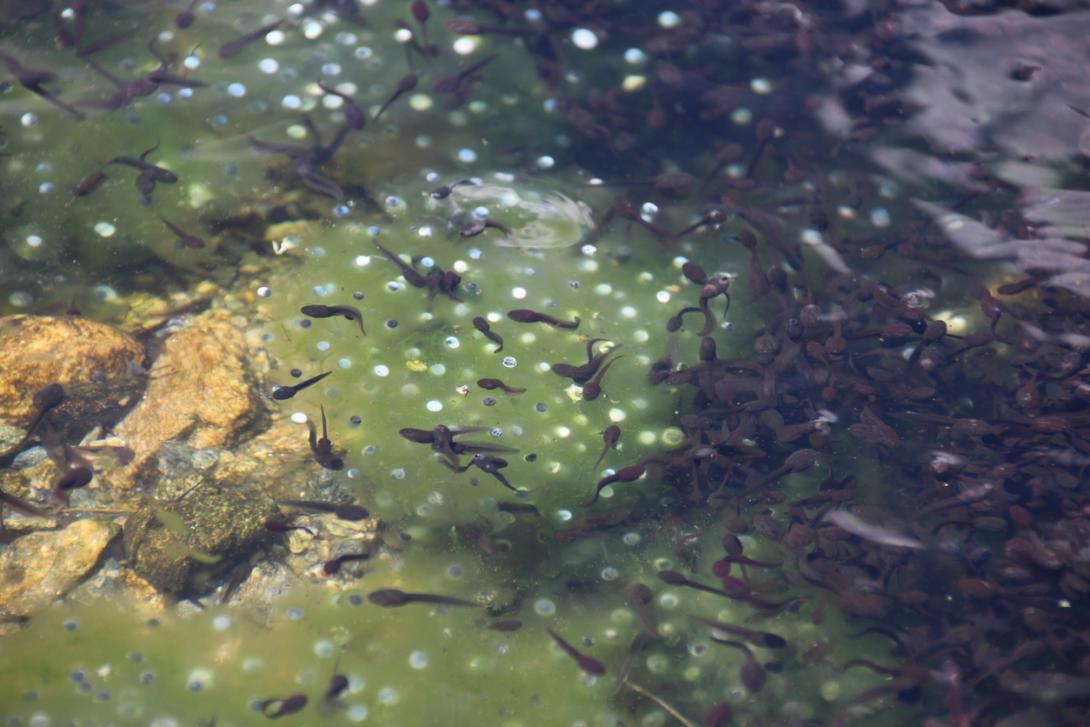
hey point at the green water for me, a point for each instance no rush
(556, 128)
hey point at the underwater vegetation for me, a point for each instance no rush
(612, 363)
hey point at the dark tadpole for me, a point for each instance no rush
(492, 384)
(348, 511)
(516, 508)
(582, 373)
(349, 312)
(338, 685)
(354, 117)
(20, 505)
(610, 436)
(283, 525)
(510, 624)
(333, 566)
(593, 388)
(90, 183)
(444, 191)
(282, 393)
(104, 43)
(277, 707)
(752, 673)
(406, 84)
(186, 18)
(719, 715)
(524, 315)
(421, 13)
(32, 79)
(476, 227)
(74, 479)
(392, 598)
(764, 639)
(453, 83)
(482, 325)
(586, 663)
(630, 473)
(188, 239)
(323, 448)
(232, 48)
(412, 275)
(45, 399)
(639, 596)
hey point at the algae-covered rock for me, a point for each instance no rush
(182, 545)
(96, 364)
(202, 389)
(40, 567)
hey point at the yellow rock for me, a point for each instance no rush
(201, 390)
(40, 567)
(74, 352)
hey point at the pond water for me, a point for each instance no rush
(544, 363)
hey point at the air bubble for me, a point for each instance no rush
(544, 607)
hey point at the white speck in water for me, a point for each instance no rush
(509, 362)
(418, 659)
(324, 648)
(584, 39)
(761, 85)
(221, 622)
(669, 19)
(434, 405)
(105, 229)
(238, 90)
(268, 65)
(381, 370)
(464, 46)
(299, 417)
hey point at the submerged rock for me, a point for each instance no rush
(98, 366)
(184, 545)
(40, 567)
(202, 390)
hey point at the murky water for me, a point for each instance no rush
(567, 363)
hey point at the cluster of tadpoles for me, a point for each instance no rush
(976, 577)
(976, 570)
(47, 428)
